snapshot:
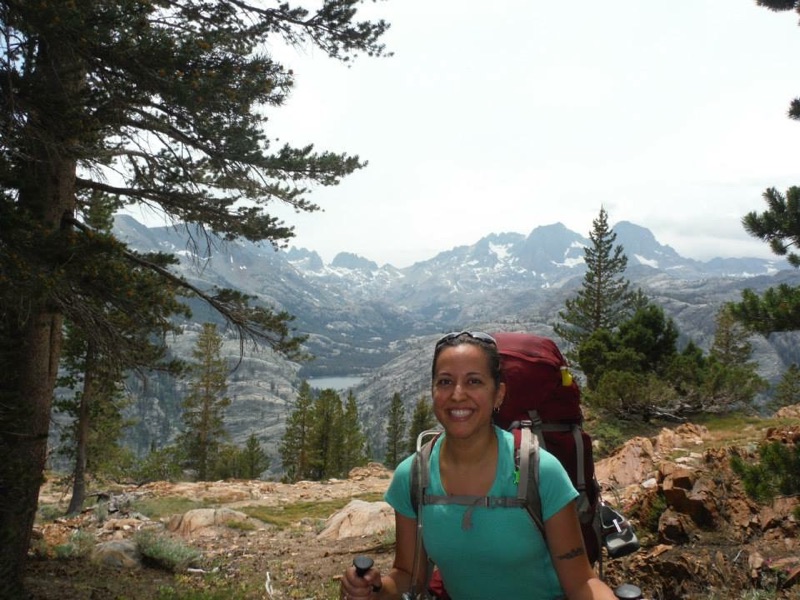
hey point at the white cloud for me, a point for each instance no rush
(504, 116)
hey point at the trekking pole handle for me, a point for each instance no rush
(628, 591)
(362, 565)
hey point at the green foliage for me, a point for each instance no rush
(234, 462)
(779, 225)
(49, 512)
(395, 428)
(165, 552)
(608, 435)
(731, 340)
(323, 437)
(295, 447)
(165, 506)
(164, 105)
(289, 514)
(80, 544)
(204, 406)
(787, 391)
(644, 343)
(605, 298)
(636, 372)
(651, 512)
(421, 420)
(633, 396)
(777, 472)
(777, 308)
(254, 460)
(159, 465)
(353, 438)
(172, 593)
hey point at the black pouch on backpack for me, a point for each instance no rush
(617, 533)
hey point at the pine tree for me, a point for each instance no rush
(731, 379)
(605, 299)
(777, 308)
(326, 436)
(421, 420)
(254, 460)
(204, 406)
(645, 343)
(731, 346)
(395, 428)
(787, 391)
(295, 448)
(353, 438)
(163, 104)
(96, 375)
(92, 440)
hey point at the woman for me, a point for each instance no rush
(501, 553)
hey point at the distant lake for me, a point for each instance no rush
(334, 383)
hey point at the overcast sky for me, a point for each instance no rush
(508, 115)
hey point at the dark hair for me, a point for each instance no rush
(484, 341)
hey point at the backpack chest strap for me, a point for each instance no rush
(473, 502)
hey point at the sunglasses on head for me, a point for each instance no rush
(475, 335)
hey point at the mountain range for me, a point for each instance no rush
(378, 322)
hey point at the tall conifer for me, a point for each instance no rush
(605, 299)
(422, 419)
(204, 406)
(326, 436)
(295, 447)
(395, 429)
(160, 104)
(353, 438)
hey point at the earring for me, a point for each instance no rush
(497, 408)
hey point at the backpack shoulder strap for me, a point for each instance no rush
(420, 467)
(526, 455)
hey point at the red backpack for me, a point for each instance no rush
(541, 398)
(541, 395)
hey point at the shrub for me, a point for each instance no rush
(50, 512)
(609, 436)
(80, 543)
(777, 472)
(164, 552)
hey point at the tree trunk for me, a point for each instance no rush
(31, 330)
(82, 431)
(23, 440)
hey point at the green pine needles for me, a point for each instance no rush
(776, 474)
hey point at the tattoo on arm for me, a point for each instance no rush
(574, 553)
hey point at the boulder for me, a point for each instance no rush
(788, 412)
(632, 464)
(695, 497)
(357, 519)
(204, 518)
(674, 528)
(372, 469)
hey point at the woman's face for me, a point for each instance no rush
(464, 393)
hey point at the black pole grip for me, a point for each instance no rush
(362, 565)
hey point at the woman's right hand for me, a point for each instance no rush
(360, 587)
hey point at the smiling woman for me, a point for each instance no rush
(466, 539)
